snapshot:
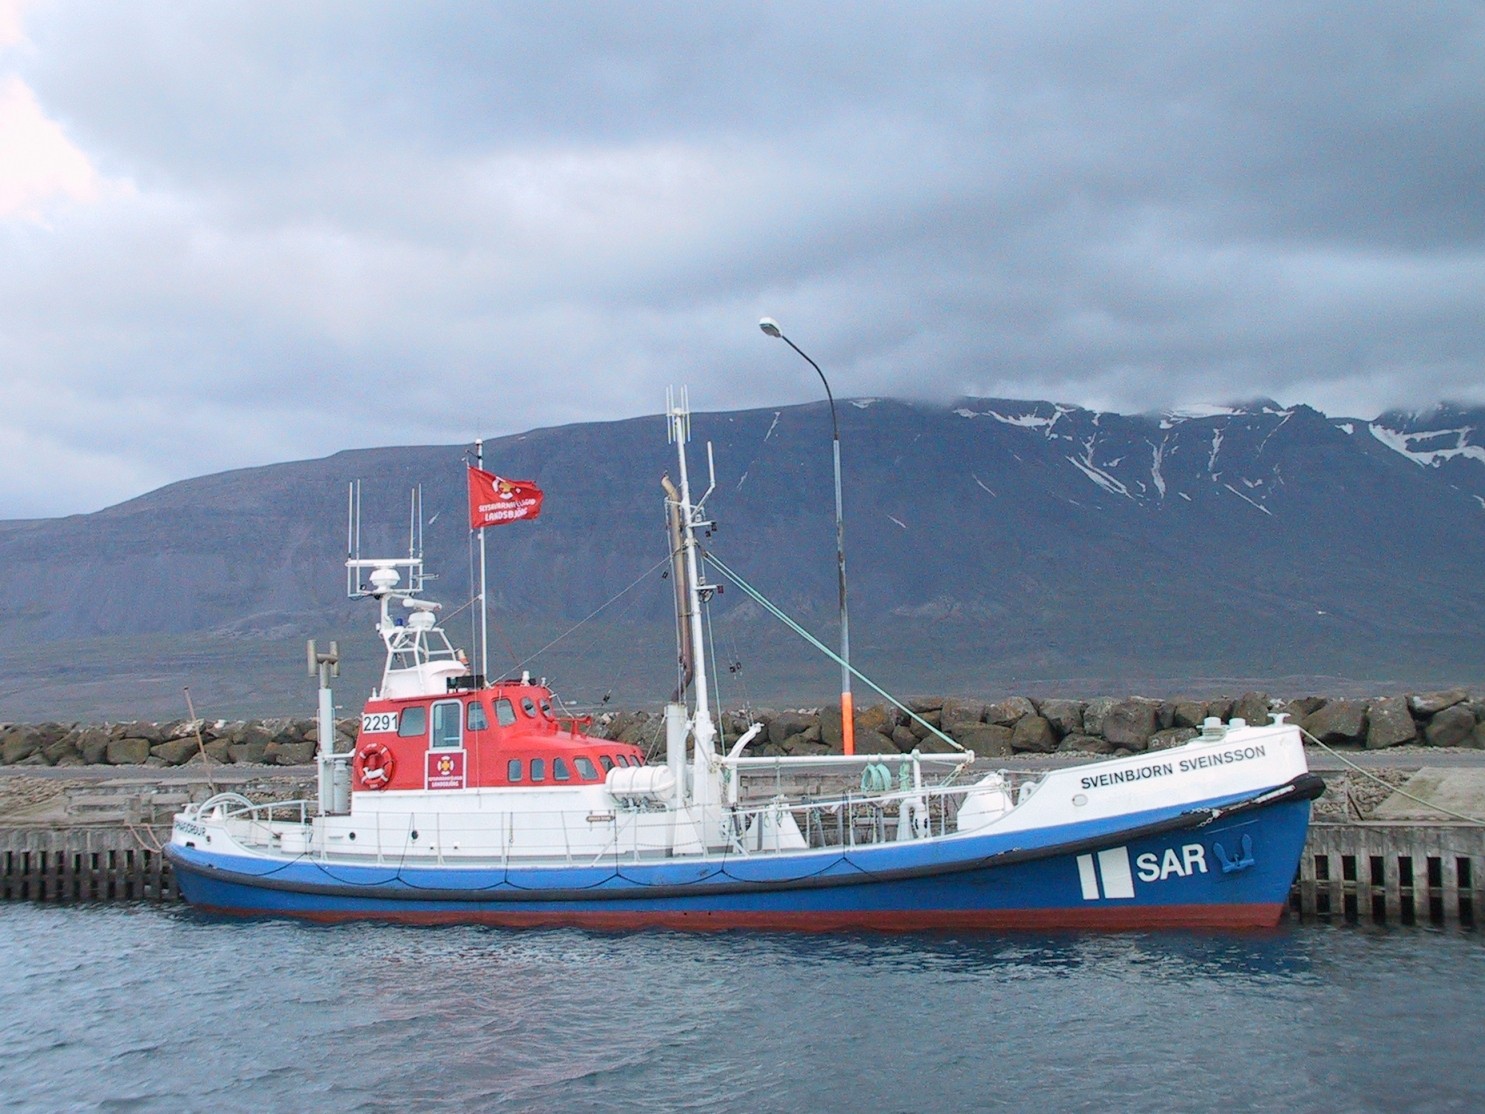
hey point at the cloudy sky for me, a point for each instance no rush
(235, 233)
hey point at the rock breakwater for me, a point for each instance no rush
(1013, 725)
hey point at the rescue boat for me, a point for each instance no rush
(474, 800)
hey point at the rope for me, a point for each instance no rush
(1381, 781)
(778, 614)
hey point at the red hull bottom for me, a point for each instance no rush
(1127, 919)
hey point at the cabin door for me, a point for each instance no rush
(446, 746)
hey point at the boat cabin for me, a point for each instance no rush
(503, 736)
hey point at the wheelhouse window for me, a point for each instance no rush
(585, 768)
(446, 732)
(606, 762)
(412, 722)
(538, 769)
(514, 769)
(475, 718)
(560, 771)
(505, 712)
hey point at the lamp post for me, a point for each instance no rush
(847, 712)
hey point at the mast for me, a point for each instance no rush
(484, 664)
(703, 731)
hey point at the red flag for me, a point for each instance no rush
(493, 501)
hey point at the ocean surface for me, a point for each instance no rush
(149, 1008)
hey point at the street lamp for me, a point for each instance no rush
(847, 713)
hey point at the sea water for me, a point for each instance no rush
(160, 1008)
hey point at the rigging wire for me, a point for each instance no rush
(594, 613)
(784, 618)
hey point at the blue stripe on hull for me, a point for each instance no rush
(1235, 871)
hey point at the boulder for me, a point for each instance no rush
(92, 743)
(127, 752)
(924, 704)
(1171, 737)
(250, 754)
(960, 715)
(640, 729)
(1035, 734)
(783, 724)
(1477, 739)
(18, 744)
(67, 747)
(1302, 706)
(880, 718)
(1389, 723)
(806, 744)
(174, 752)
(1130, 723)
(289, 754)
(218, 750)
(252, 734)
(1427, 704)
(1094, 712)
(1065, 716)
(1450, 727)
(1252, 707)
(916, 725)
(1084, 744)
(906, 741)
(1337, 721)
(150, 732)
(1188, 713)
(1007, 712)
(989, 740)
(1221, 707)
(874, 742)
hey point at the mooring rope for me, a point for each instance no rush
(1383, 781)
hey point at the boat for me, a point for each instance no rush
(472, 800)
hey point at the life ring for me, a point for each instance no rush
(377, 764)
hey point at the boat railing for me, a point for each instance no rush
(845, 819)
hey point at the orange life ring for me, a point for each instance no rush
(377, 764)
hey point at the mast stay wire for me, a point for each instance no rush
(779, 614)
(594, 613)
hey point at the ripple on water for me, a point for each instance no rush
(143, 1008)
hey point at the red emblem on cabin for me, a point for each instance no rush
(446, 769)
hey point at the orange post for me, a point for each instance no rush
(847, 724)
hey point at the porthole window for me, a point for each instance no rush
(538, 769)
(514, 769)
(529, 707)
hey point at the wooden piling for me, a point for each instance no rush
(1378, 872)
(84, 863)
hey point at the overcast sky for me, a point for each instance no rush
(232, 234)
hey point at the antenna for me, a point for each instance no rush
(678, 415)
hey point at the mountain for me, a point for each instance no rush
(992, 544)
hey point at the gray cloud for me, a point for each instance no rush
(337, 225)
